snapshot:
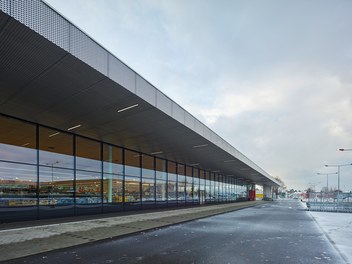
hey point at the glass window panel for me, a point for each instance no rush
(181, 190)
(188, 171)
(160, 169)
(55, 148)
(132, 163)
(132, 190)
(172, 170)
(172, 190)
(18, 184)
(181, 169)
(113, 162)
(55, 186)
(88, 155)
(148, 187)
(161, 188)
(88, 187)
(112, 188)
(17, 141)
(148, 167)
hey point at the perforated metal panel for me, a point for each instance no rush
(121, 74)
(5, 6)
(88, 50)
(43, 20)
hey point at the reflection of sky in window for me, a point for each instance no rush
(11, 171)
(55, 159)
(84, 175)
(18, 154)
(88, 164)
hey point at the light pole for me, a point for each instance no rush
(343, 149)
(338, 178)
(327, 179)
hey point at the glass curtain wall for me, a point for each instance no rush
(181, 190)
(18, 166)
(46, 171)
(189, 184)
(161, 180)
(148, 180)
(88, 175)
(172, 182)
(112, 176)
(56, 171)
(132, 177)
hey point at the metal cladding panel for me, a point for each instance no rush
(178, 113)
(5, 6)
(199, 127)
(163, 103)
(43, 20)
(145, 90)
(122, 74)
(87, 50)
(189, 120)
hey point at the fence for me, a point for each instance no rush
(330, 202)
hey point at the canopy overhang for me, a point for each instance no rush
(55, 75)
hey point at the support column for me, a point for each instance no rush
(267, 191)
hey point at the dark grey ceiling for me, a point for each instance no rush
(43, 83)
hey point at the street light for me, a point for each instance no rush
(343, 149)
(327, 179)
(338, 177)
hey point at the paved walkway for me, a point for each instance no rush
(338, 228)
(25, 241)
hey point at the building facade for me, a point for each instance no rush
(82, 133)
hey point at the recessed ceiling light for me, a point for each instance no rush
(156, 152)
(74, 127)
(216, 171)
(53, 135)
(194, 164)
(200, 146)
(229, 160)
(25, 144)
(127, 108)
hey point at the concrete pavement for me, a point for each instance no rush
(275, 232)
(24, 241)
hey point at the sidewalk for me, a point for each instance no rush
(24, 241)
(338, 228)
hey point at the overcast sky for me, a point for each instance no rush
(273, 78)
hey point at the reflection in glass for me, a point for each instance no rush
(132, 189)
(161, 189)
(17, 141)
(18, 184)
(113, 171)
(148, 190)
(55, 186)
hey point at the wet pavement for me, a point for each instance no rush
(276, 232)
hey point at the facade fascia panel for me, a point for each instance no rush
(145, 90)
(121, 74)
(163, 103)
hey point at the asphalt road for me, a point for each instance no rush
(277, 232)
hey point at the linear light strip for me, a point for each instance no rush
(55, 134)
(74, 127)
(127, 108)
(155, 153)
(200, 146)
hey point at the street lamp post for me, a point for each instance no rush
(338, 178)
(327, 179)
(343, 149)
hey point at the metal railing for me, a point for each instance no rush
(330, 202)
